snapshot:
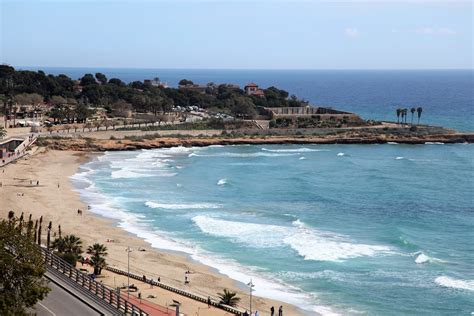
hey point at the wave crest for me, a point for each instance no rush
(308, 242)
(294, 150)
(446, 281)
(182, 206)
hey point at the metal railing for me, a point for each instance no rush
(98, 290)
(198, 298)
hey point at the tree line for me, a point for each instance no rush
(403, 113)
(71, 98)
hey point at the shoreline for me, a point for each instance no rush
(56, 199)
(153, 141)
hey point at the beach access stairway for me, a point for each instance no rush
(103, 297)
(20, 150)
(176, 290)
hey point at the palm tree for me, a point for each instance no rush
(72, 244)
(68, 244)
(98, 263)
(48, 240)
(405, 112)
(20, 224)
(228, 298)
(419, 110)
(399, 111)
(413, 110)
(68, 247)
(98, 251)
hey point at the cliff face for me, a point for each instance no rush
(87, 144)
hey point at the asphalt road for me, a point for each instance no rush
(59, 302)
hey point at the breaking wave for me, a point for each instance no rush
(445, 281)
(294, 150)
(181, 206)
(309, 243)
(421, 258)
(222, 182)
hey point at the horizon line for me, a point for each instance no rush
(243, 69)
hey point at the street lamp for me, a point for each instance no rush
(128, 271)
(251, 286)
(177, 305)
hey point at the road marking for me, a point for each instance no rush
(47, 309)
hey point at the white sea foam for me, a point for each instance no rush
(222, 182)
(302, 158)
(251, 234)
(392, 143)
(446, 281)
(181, 206)
(127, 173)
(434, 143)
(294, 150)
(83, 176)
(325, 246)
(145, 163)
(192, 155)
(341, 154)
(399, 158)
(311, 244)
(422, 258)
(247, 155)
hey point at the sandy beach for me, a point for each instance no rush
(55, 199)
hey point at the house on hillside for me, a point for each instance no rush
(156, 82)
(253, 89)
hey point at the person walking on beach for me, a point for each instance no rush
(272, 311)
(256, 313)
(208, 302)
(186, 281)
(280, 311)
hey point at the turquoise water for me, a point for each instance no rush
(343, 229)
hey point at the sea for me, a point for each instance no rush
(333, 229)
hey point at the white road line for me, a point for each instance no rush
(47, 309)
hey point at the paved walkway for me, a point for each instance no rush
(149, 307)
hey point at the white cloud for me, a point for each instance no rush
(351, 32)
(434, 31)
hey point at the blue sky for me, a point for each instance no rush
(259, 34)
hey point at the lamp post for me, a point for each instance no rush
(176, 304)
(251, 286)
(128, 271)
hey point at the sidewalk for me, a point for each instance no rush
(149, 307)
